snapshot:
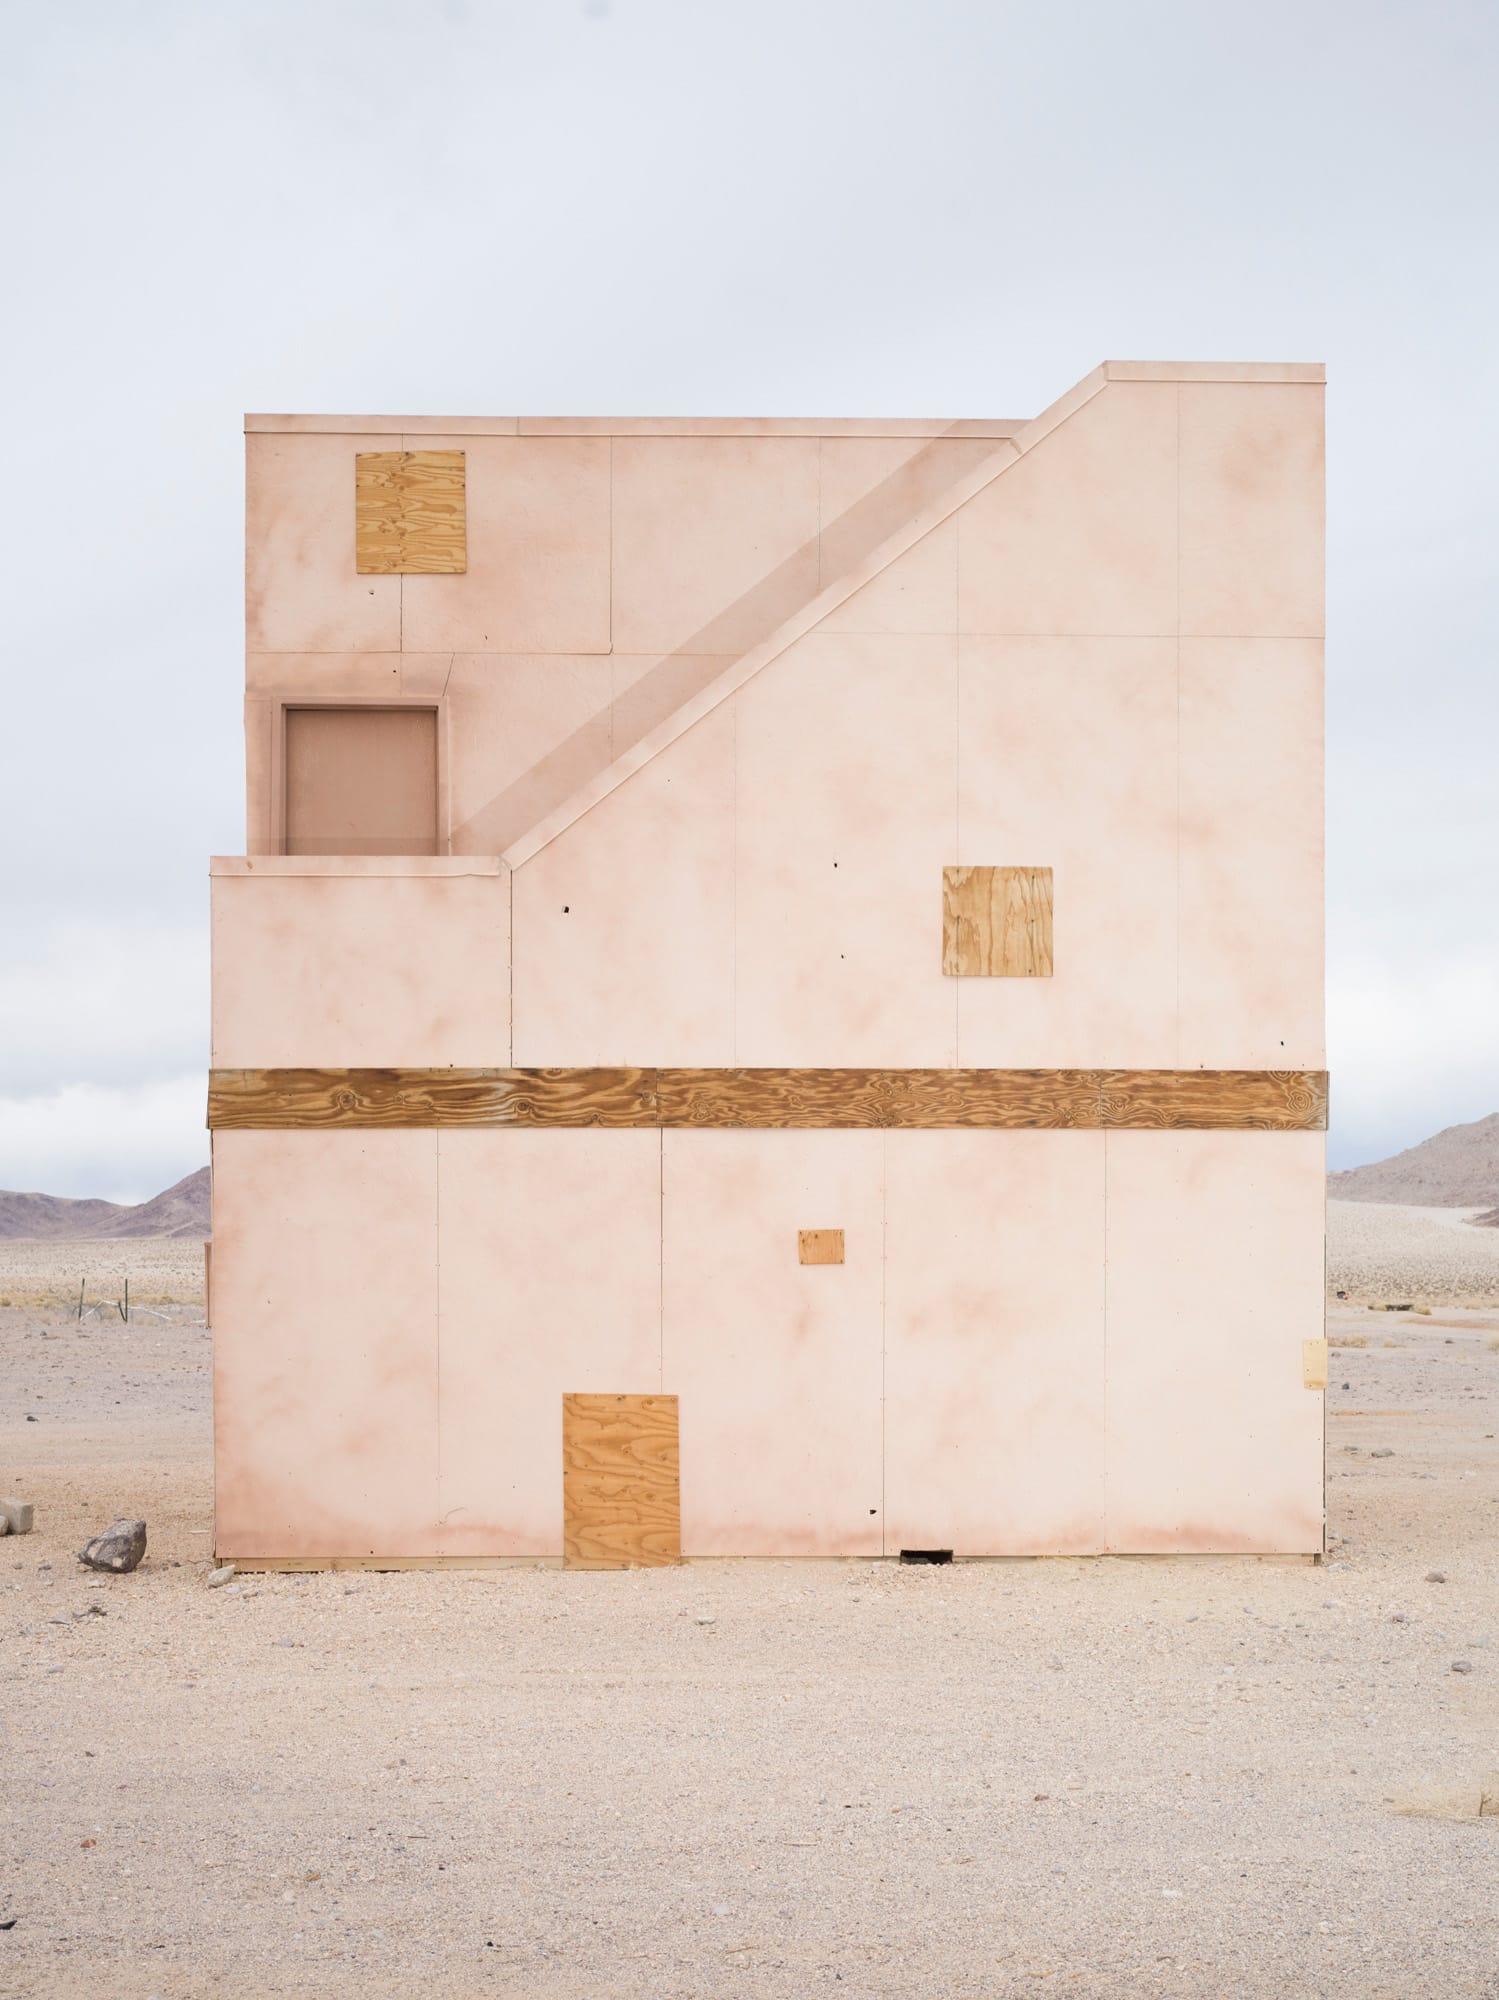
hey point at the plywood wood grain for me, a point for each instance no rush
(996, 923)
(918, 1099)
(293, 1099)
(1314, 1364)
(409, 513)
(621, 1505)
(378, 511)
(772, 1099)
(434, 539)
(820, 1246)
(1209, 1100)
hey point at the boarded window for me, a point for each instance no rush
(996, 923)
(621, 1493)
(819, 1246)
(361, 781)
(410, 513)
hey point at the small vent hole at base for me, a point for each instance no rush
(926, 1555)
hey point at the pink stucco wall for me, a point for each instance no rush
(1039, 1342)
(718, 703)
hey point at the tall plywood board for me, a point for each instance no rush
(621, 1505)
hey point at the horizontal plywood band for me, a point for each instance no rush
(1204, 1100)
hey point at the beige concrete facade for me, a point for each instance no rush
(716, 704)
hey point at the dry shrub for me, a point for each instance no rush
(1349, 1340)
(1492, 1343)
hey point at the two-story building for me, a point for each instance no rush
(773, 1001)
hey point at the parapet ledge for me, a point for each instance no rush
(915, 428)
(354, 865)
(1215, 371)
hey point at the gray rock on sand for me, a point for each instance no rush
(17, 1516)
(118, 1549)
(217, 1577)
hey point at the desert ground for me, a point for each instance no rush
(1134, 1777)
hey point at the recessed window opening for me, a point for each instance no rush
(361, 781)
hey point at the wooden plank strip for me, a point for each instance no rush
(911, 1099)
(1211, 1100)
(1314, 1364)
(772, 1099)
(295, 1099)
(621, 1505)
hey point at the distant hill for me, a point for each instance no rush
(178, 1211)
(1458, 1168)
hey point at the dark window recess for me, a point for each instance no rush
(926, 1555)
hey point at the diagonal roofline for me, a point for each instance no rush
(1007, 451)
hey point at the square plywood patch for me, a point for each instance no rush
(409, 513)
(621, 1486)
(1314, 1364)
(819, 1246)
(996, 923)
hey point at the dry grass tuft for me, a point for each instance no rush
(1352, 1340)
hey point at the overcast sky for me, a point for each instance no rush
(785, 207)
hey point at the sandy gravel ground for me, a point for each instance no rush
(1378, 1251)
(1119, 1777)
(160, 1269)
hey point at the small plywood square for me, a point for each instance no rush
(621, 1488)
(996, 923)
(1314, 1364)
(820, 1246)
(409, 513)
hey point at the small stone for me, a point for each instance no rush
(17, 1515)
(119, 1549)
(721, 1910)
(220, 1576)
(1436, 1576)
(708, 1618)
(1383, 1452)
(1397, 1618)
(1462, 1666)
